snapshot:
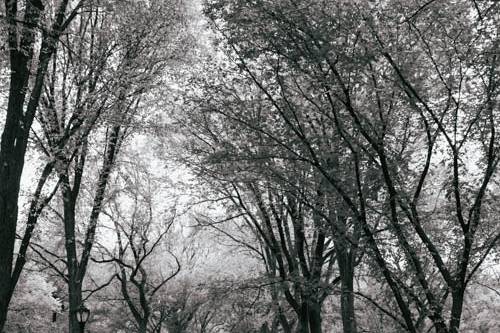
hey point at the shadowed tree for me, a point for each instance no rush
(28, 66)
(399, 104)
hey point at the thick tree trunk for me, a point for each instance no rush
(315, 320)
(303, 316)
(347, 307)
(8, 218)
(11, 166)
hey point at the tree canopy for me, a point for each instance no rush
(250, 166)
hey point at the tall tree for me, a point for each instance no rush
(344, 67)
(25, 29)
(95, 91)
(282, 200)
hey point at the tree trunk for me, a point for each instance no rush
(8, 218)
(303, 316)
(75, 278)
(143, 326)
(456, 308)
(347, 306)
(345, 263)
(310, 317)
(283, 322)
(75, 301)
(77, 269)
(11, 166)
(315, 320)
(74, 282)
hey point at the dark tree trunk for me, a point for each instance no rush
(283, 321)
(456, 308)
(11, 166)
(314, 310)
(17, 126)
(143, 326)
(345, 263)
(75, 300)
(77, 268)
(74, 283)
(309, 317)
(303, 316)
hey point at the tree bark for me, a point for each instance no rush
(143, 326)
(315, 320)
(283, 321)
(74, 284)
(75, 301)
(346, 271)
(456, 308)
(309, 317)
(303, 316)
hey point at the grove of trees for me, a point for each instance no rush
(258, 166)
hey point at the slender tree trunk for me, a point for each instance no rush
(74, 284)
(345, 263)
(283, 321)
(75, 301)
(456, 309)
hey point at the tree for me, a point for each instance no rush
(340, 67)
(94, 102)
(22, 38)
(280, 200)
(139, 238)
(342, 161)
(303, 228)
